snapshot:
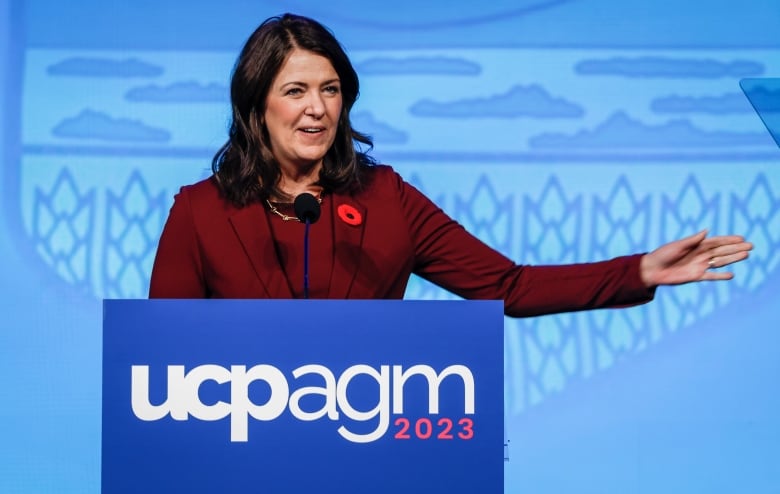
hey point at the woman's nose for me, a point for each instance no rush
(315, 106)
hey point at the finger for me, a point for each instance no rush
(693, 240)
(721, 240)
(727, 250)
(720, 261)
(717, 276)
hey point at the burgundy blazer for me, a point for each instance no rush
(210, 248)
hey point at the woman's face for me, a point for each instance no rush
(302, 110)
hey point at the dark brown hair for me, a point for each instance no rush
(245, 167)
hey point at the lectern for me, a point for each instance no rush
(302, 396)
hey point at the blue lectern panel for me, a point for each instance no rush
(302, 396)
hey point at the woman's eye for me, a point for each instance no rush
(294, 91)
(332, 89)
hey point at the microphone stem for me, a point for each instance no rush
(306, 260)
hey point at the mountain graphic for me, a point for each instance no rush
(90, 124)
(180, 92)
(666, 67)
(104, 67)
(418, 66)
(519, 101)
(621, 131)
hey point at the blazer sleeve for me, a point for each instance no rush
(449, 256)
(178, 268)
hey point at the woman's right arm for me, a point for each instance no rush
(178, 268)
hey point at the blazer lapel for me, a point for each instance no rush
(348, 229)
(251, 226)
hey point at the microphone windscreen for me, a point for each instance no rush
(307, 208)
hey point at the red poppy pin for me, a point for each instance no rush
(349, 215)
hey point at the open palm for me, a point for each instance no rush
(692, 259)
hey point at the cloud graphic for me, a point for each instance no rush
(519, 101)
(104, 67)
(620, 131)
(418, 66)
(379, 131)
(179, 92)
(90, 124)
(727, 103)
(669, 68)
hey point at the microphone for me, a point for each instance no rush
(307, 209)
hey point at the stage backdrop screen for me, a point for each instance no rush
(557, 131)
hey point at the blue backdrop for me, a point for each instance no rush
(557, 131)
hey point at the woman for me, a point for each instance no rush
(234, 235)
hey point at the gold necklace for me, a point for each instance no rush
(287, 217)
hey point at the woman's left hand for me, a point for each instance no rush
(692, 258)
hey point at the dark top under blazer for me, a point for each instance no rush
(210, 248)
